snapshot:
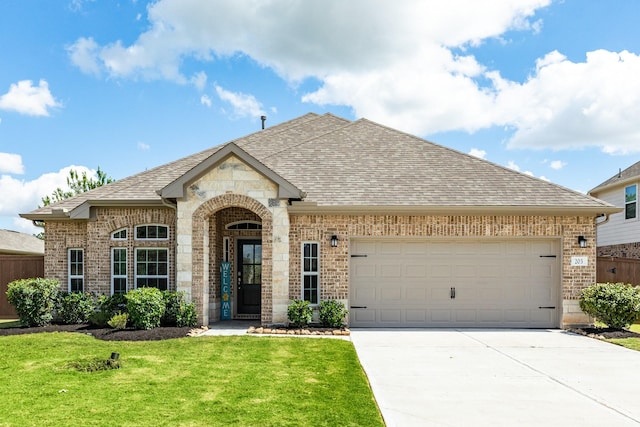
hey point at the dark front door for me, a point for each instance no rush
(249, 276)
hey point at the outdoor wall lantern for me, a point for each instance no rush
(582, 241)
(334, 241)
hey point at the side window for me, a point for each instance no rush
(76, 270)
(118, 270)
(311, 272)
(152, 232)
(630, 201)
(152, 268)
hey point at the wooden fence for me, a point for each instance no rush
(610, 269)
(13, 267)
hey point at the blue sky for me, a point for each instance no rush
(548, 88)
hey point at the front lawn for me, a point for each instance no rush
(631, 343)
(205, 381)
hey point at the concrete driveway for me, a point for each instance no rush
(482, 377)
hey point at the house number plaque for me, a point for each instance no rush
(225, 298)
(579, 261)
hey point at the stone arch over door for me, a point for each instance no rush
(200, 250)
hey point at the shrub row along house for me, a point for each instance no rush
(403, 231)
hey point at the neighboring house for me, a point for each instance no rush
(16, 243)
(619, 234)
(21, 257)
(403, 231)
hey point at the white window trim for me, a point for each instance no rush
(74, 276)
(120, 276)
(135, 233)
(309, 273)
(142, 276)
(226, 246)
(231, 224)
(119, 238)
(627, 203)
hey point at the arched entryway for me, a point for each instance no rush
(237, 229)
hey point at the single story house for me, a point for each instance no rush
(403, 231)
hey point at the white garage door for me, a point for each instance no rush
(455, 283)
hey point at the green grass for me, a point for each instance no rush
(205, 381)
(630, 343)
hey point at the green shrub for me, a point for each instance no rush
(145, 307)
(615, 304)
(74, 307)
(187, 315)
(177, 311)
(107, 307)
(300, 313)
(332, 313)
(119, 321)
(33, 299)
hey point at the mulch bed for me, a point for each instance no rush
(106, 334)
(606, 333)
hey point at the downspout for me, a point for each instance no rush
(607, 218)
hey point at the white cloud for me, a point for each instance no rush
(11, 163)
(142, 146)
(199, 80)
(570, 105)
(512, 165)
(478, 153)
(84, 54)
(25, 98)
(397, 62)
(243, 105)
(20, 196)
(205, 100)
(557, 164)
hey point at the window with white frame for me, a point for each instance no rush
(152, 268)
(119, 234)
(630, 201)
(244, 225)
(76, 270)
(311, 272)
(152, 232)
(118, 271)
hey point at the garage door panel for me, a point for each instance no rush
(390, 248)
(363, 270)
(391, 295)
(416, 294)
(390, 316)
(415, 271)
(415, 316)
(498, 283)
(393, 270)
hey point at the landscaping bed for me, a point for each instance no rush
(106, 334)
(606, 333)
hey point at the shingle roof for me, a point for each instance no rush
(339, 163)
(629, 174)
(15, 243)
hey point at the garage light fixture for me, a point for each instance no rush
(582, 241)
(334, 241)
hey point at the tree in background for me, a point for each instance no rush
(78, 184)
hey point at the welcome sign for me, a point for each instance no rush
(225, 279)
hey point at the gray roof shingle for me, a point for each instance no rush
(341, 163)
(630, 173)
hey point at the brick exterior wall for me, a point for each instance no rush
(334, 262)
(625, 250)
(94, 237)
